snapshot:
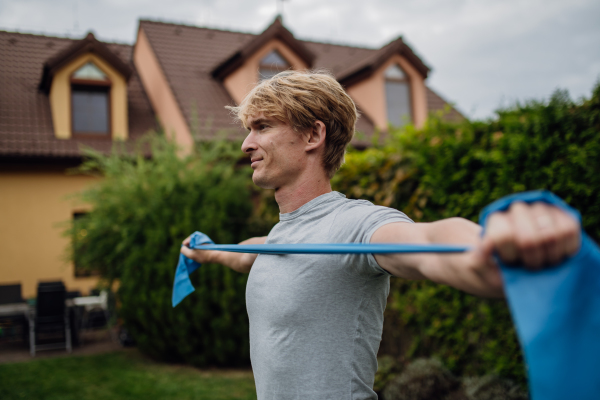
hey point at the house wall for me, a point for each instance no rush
(34, 210)
(60, 98)
(160, 94)
(243, 79)
(369, 94)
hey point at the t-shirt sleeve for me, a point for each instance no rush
(357, 224)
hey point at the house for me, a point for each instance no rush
(57, 94)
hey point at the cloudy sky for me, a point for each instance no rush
(483, 53)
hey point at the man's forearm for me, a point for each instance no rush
(457, 270)
(461, 271)
(240, 262)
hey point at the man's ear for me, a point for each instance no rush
(316, 136)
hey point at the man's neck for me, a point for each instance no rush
(291, 198)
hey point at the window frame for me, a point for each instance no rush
(268, 67)
(408, 82)
(93, 84)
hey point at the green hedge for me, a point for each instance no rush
(142, 210)
(447, 170)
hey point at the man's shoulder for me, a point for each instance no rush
(359, 208)
(345, 204)
(364, 217)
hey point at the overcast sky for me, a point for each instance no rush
(483, 54)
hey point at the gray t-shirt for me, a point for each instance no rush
(316, 319)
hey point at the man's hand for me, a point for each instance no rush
(200, 256)
(535, 235)
(240, 262)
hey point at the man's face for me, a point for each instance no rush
(277, 152)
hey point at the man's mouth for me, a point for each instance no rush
(254, 162)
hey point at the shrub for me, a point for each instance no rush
(423, 379)
(553, 146)
(491, 387)
(428, 379)
(387, 369)
(142, 210)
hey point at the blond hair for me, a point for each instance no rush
(299, 99)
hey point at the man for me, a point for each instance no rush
(316, 320)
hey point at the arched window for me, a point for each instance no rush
(90, 101)
(272, 64)
(397, 96)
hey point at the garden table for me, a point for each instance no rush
(13, 309)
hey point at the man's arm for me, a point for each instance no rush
(240, 262)
(535, 235)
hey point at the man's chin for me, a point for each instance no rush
(261, 181)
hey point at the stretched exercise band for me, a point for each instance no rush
(334, 248)
(183, 286)
(556, 311)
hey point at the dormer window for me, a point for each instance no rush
(90, 101)
(272, 64)
(397, 96)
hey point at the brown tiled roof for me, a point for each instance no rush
(275, 31)
(368, 65)
(25, 118)
(190, 55)
(436, 103)
(187, 56)
(338, 59)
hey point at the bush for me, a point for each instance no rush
(447, 170)
(423, 379)
(553, 146)
(142, 210)
(428, 379)
(491, 387)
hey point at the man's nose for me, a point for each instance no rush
(249, 145)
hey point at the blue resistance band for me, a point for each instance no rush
(183, 286)
(334, 248)
(556, 311)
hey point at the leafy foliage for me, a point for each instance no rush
(421, 380)
(142, 210)
(427, 378)
(447, 170)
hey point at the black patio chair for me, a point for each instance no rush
(12, 323)
(11, 294)
(51, 317)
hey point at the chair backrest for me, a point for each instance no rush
(50, 299)
(74, 293)
(10, 294)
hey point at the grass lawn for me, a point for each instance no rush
(120, 375)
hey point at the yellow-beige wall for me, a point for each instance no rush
(34, 207)
(369, 94)
(243, 79)
(160, 94)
